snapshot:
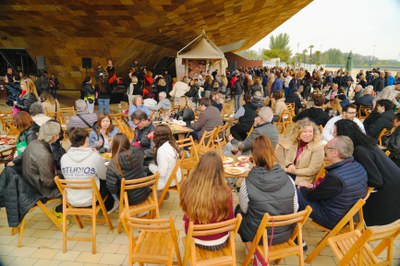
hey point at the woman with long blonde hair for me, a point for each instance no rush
(207, 198)
(306, 153)
(29, 97)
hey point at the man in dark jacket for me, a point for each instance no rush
(343, 185)
(143, 128)
(379, 119)
(315, 114)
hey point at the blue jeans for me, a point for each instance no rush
(237, 102)
(317, 214)
(104, 104)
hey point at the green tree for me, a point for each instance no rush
(280, 42)
(311, 47)
(278, 47)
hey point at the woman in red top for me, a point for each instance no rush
(207, 198)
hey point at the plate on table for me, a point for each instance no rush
(227, 159)
(244, 159)
(242, 164)
(234, 170)
(106, 155)
(180, 122)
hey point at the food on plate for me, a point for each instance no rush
(234, 170)
(227, 159)
(244, 159)
(107, 155)
(242, 164)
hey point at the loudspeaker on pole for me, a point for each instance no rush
(86, 62)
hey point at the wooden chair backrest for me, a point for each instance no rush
(188, 143)
(291, 107)
(227, 109)
(77, 184)
(148, 181)
(220, 136)
(381, 134)
(207, 140)
(357, 249)
(230, 226)
(297, 219)
(365, 109)
(171, 178)
(8, 125)
(152, 233)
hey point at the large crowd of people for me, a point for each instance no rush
(326, 133)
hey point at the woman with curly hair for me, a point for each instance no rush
(207, 198)
(165, 156)
(382, 207)
(306, 153)
(101, 135)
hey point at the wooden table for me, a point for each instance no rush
(176, 129)
(232, 164)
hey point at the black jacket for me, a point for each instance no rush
(26, 102)
(187, 115)
(392, 143)
(317, 115)
(375, 122)
(382, 207)
(131, 162)
(16, 195)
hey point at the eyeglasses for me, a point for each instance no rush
(329, 148)
(352, 113)
(137, 123)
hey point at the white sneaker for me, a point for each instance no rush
(115, 207)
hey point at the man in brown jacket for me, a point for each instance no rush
(209, 118)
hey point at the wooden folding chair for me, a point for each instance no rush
(291, 107)
(149, 205)
(224, 256)
(123, 127)
(353, 247)
(364, 111)
(172, 177)
(284, 120)
(8, 125)
(227, 109)
(45, 210)
(220, 139)
(347, 223)
(381, 134)
(193, 159)
(321, 173)
(206, 142)
(286, 249)
(250, 131)
(157, 242)
(92, 211)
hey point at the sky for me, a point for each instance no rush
(366, 27)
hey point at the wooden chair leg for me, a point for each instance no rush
(94, 233)
(49, 214)
(64, 230)
(321, 245)
(21, 232)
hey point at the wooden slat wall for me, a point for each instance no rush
(65, 31)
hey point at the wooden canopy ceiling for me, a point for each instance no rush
(123, 30)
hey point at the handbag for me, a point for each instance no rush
(21, 146)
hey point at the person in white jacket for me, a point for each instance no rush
(82, 162)
(166, 155)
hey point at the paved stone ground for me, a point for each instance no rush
(42, 241)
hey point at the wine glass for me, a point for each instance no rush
(234, 149)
